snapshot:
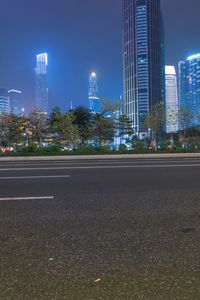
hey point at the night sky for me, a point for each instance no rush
(80, 36)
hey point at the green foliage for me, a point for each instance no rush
(51, 149)
(122, 148)
(155, 121)
(124, 126)
(80, 131)
(83, 119)
(184, 118)
(109, 108)
(37, 126)
(103, 130)
(139, 145)
(63, 128)
(12, 129)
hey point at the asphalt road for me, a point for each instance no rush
(105, 229)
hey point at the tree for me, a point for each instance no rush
(83, 118)
(154, 122)
(55, 115)
(4, 128)
(12, 129)
(37, 126)
(69, 132)
(55, 119)
(16, 129)
(110, 108)
(103, 130)
(124, 127)
(184, 118)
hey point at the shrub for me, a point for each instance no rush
(122, 148)
(139, 145)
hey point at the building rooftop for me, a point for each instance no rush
(195, 56)
(170, 70)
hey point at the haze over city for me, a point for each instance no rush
(78, 42)
(99, 149)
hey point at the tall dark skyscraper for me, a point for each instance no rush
(143, 60)
(189, 90)
(41, 83)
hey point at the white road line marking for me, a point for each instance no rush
(93, 167)
(26, 198)
(35, 177)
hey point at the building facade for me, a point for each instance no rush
(94, 99)
(4, 101)
(41, 83)
(171, 100)
(143, 60)
(189, 91)
(15, 102)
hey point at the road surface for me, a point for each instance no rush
(100, 229)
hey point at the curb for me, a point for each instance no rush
(93, 157)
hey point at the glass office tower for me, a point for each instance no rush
(94, 100)
(189, 89)
(171, 100)
(15, 102)
(41, 83)
(143, 60)
(4, 101)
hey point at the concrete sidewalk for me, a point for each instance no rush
(94, 157)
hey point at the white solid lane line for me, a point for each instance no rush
(35, 177)
(26, 198)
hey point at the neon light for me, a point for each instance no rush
(14, 91)
(192, 57)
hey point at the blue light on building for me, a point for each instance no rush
(189, 88)
(4, 101)
(41, 83)
(94, 100)
(15, 102)
(143, 60)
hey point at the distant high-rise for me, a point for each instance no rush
(15, 102)
(171, 99)
(4, 101)
(94, 99)
(189, 90)
(41, 83)
(143, 60)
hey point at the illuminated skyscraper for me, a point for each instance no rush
(143, 55)
(41, 83)
(4, 101)
(189, 89)
(171, 102)
(94, 100)
(15, 102)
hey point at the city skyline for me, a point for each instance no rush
(71, 55)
